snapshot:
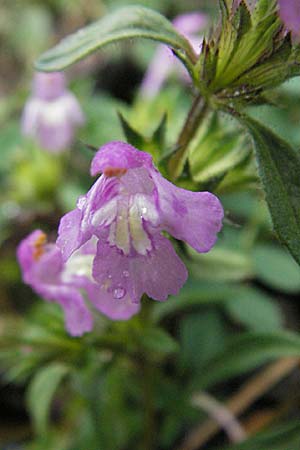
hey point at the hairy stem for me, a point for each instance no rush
(190, 127)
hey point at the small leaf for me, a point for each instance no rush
(218, 149)
(203, 335)
(279, 169)
(41, 391)
(126, 23)
(277, 268)
(132, 136)
(193, 294)
(246, 352)
(159, 135)
(255, 310)
(158, 341)
(220, 264)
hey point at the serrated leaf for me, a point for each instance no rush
(279, 168)
(126, 23)
(41, 391)
(246, 352)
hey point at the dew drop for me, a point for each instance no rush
(119, 293)
(126, 273)
(144, 210)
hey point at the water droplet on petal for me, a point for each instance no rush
(144, 210)
(119, 293)
(126, 273)
(109, 275)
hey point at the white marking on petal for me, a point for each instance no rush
(77, 265)
(112, 234)
(106, 214)
(147, 208)
(140, 240)
(122, 232)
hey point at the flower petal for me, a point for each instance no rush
(42, 270)
(78, 318)
(158, 274)
(70, 235)
(194, 217)
(116, 156)
(114, 308)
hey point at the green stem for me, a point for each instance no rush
(149, 410)
(190, 127)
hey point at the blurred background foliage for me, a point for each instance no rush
(237, 313)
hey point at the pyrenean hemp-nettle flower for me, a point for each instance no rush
(70, 283)
(111, 247)
(52, 113)
(164, 62)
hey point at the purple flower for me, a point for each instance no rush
(164, 62)
(52, 113)
(124, 214)
(69, 283)
(289, 11)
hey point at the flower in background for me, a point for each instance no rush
(164, 63)
(52, 113)
(289, 11)
(70, 283)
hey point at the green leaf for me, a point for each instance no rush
(246, 352)
(219, 149)
(126, 23)
(279, 169)
(202, 336)
(285, 437)
(255, 310)
(244, 42)
(193, 294)
(159, 136)
(158, 341)
(275, 267)
(41, 391)
(132, 136)
(220, 264)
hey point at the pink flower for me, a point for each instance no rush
(164, 62)
(52, 113)
(70, 283)
(111, 247)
